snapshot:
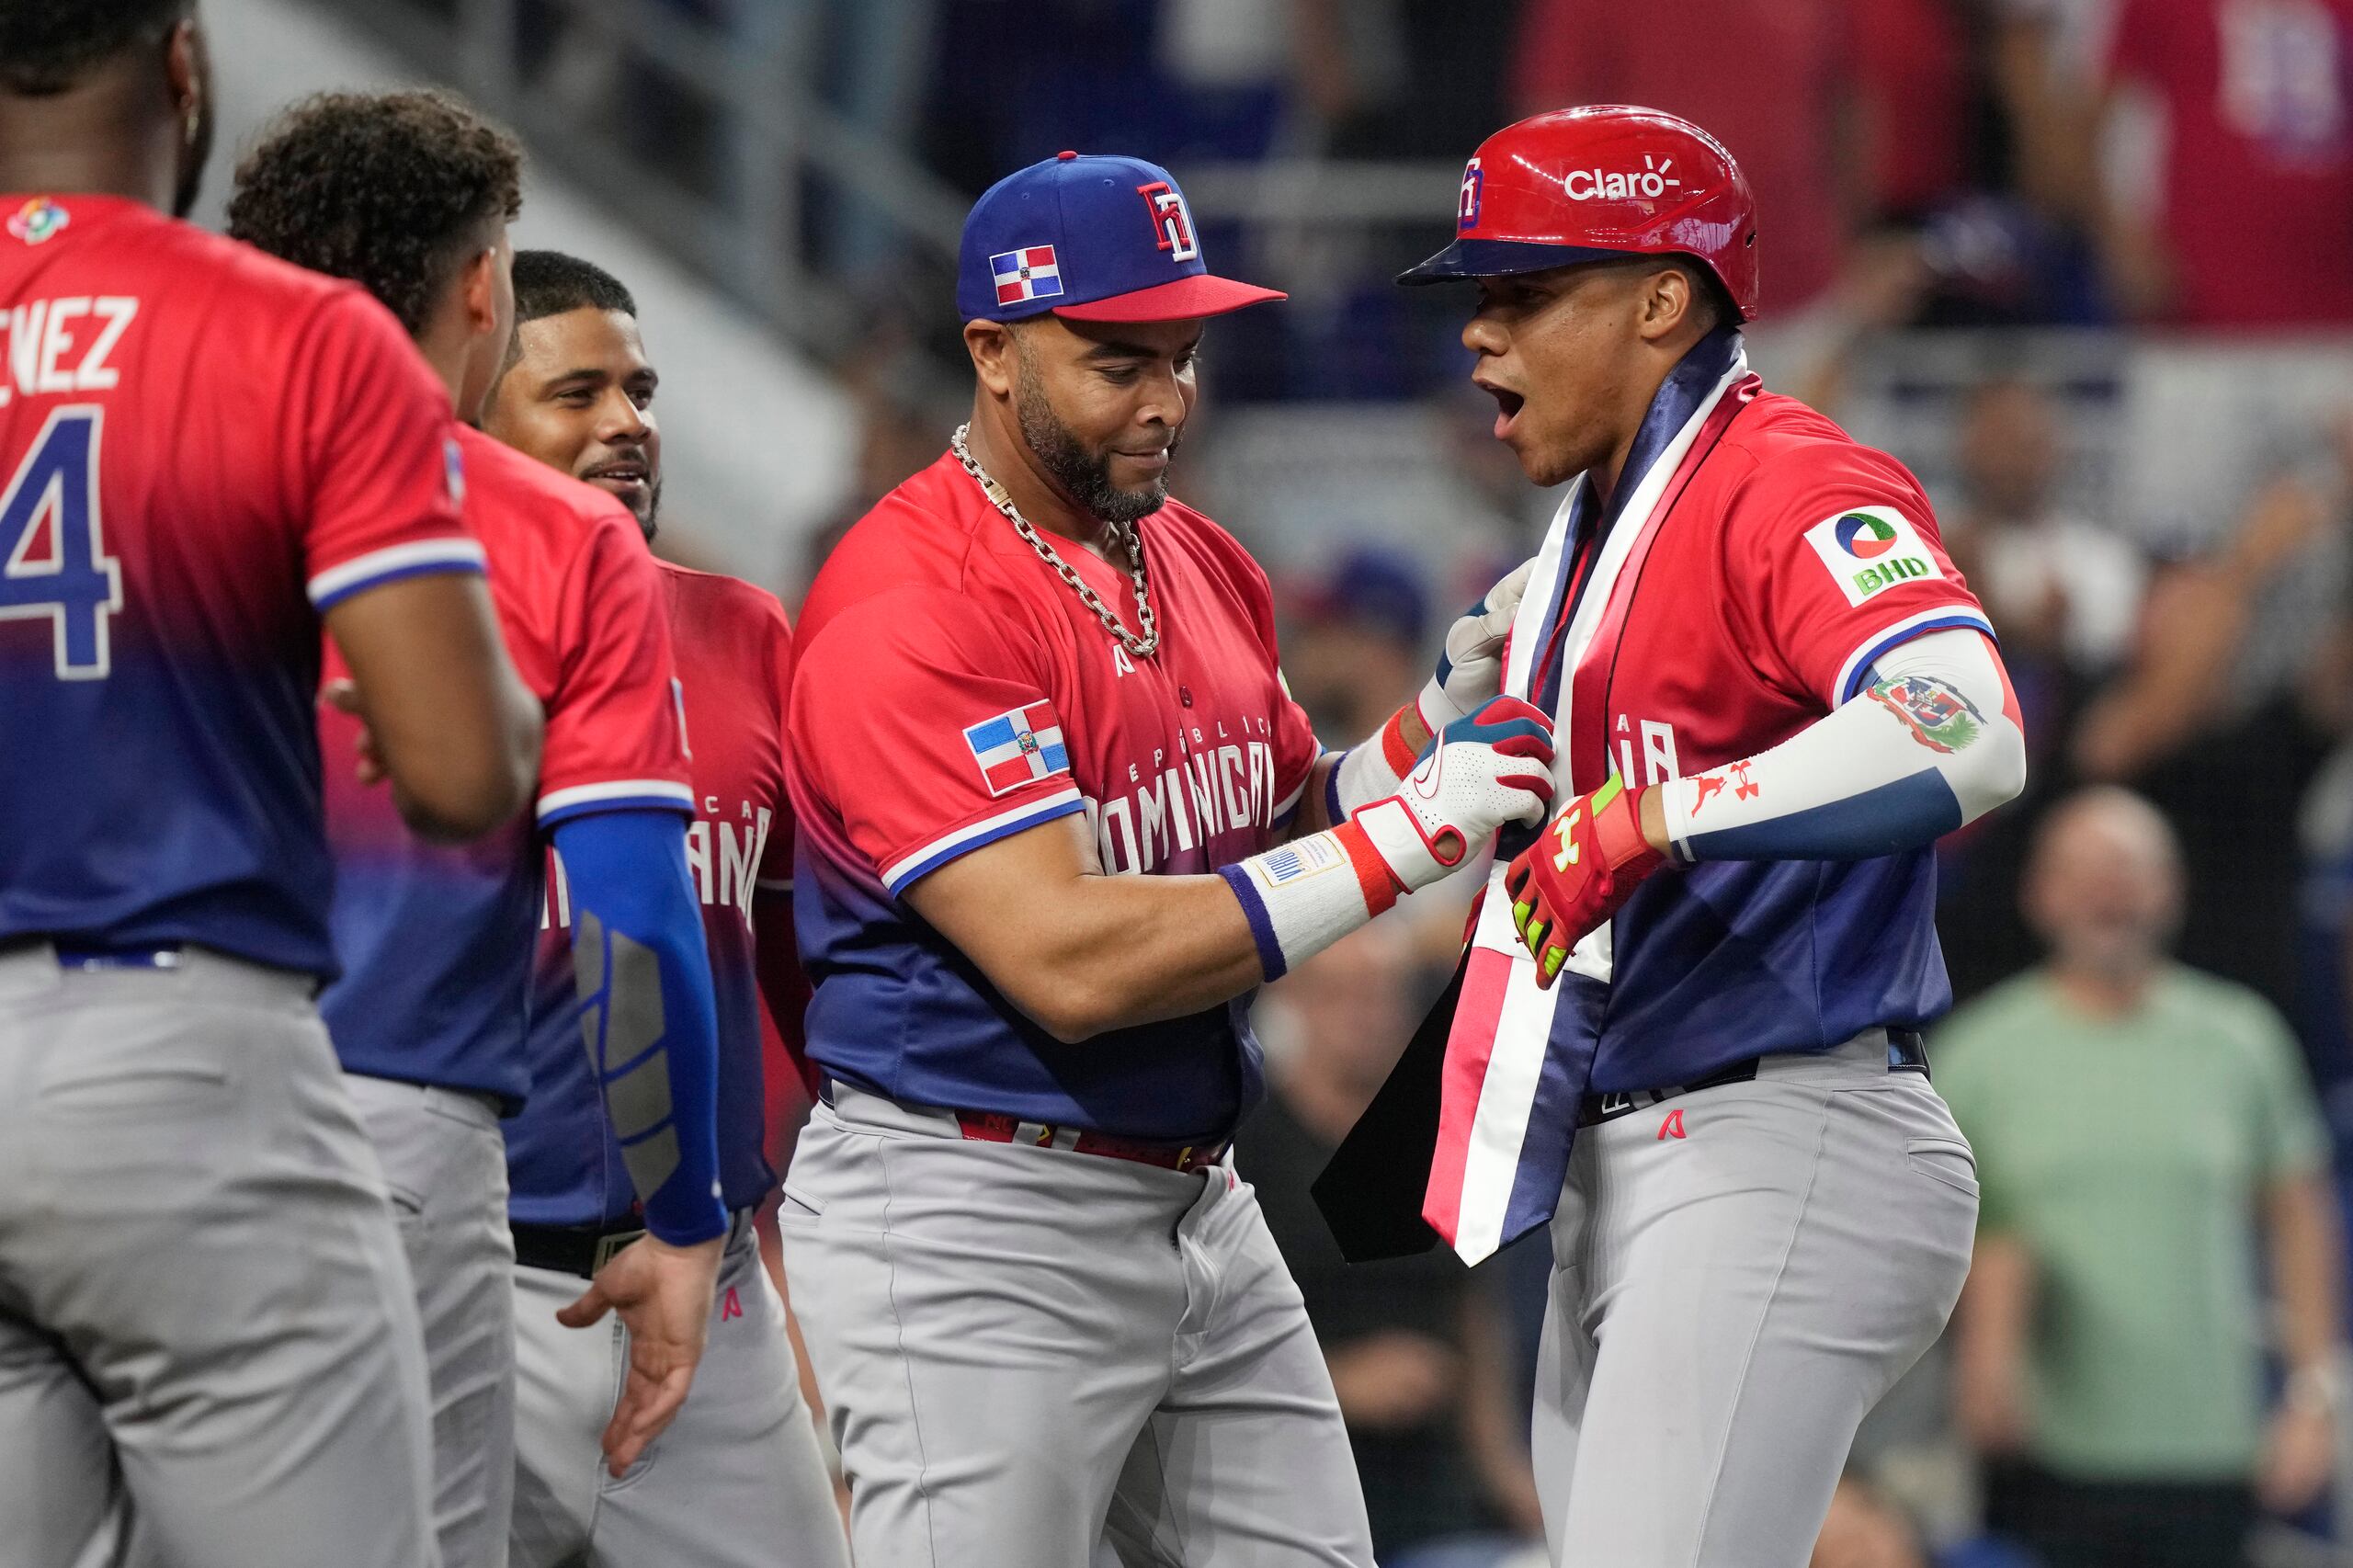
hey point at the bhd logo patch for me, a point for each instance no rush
(1018, 747)
(1871, 549)
(39, 220)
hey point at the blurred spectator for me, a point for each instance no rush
(2222, 718)
(2139, 1128)
(1355, 648)
(2248, 222)
(2061, 587)
(1775, 83)
(1417, 1346)
(2065, 594)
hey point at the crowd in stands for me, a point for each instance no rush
(2152, 1053)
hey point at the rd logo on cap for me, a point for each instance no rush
(1172, 221)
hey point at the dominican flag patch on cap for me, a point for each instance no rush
(1015, 748)
(1032, 274)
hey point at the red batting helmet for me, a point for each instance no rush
(1595, 184)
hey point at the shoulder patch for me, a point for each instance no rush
(1871, 550)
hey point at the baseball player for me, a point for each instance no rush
(429, 1017)
(206, 1323)
(1686, 1032)
(738, 1479)
(1057, 818)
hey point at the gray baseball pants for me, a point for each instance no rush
(445, 1166)
(1740, 1274)
(206, 1323)
(736, 1481)
(1026, 1350)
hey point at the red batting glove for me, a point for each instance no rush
(1577, 875)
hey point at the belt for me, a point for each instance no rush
(92, 956)
(585, 1249)
(1907, 1052)
(989, 1127)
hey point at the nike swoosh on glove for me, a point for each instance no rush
(1569, 882)
(1490, 767)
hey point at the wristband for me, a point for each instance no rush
(1302, 897)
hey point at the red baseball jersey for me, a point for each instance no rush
(201, 450)
(1790, 560)
(436, 941)
(952, 690)
(734, 652)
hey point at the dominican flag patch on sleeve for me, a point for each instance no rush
(1018, 747)
(1032, 274)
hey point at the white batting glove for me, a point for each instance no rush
(1471, 670)
(1484, 770)
(1492, 767)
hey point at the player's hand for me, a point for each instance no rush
(1394, 1379)
(1492, 767)
(663, 1294)
(1471, 670)
(344, 697)
(1577, 876)
(2299, 1458)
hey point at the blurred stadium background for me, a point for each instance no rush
(2086, 265)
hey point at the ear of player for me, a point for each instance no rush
(1569, 882)
(1482, 770)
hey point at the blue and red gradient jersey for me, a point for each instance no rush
(952, 691)
(1791, 560)
(201, 448)
(734, 652)
(437, 940)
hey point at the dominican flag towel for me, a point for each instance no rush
(1516, 1059)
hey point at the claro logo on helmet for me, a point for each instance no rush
(1598, 184)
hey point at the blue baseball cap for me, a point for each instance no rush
(1092, 239)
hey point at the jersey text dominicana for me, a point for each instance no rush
(952, 690)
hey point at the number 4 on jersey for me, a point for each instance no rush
(56, 559)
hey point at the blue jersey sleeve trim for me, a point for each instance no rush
(1262, 924)
(1333, 815)
(974, 836)
(1855, 674)
(379, 567)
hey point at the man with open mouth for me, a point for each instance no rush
(1686, 1033)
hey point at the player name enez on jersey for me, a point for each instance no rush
(62, 345)
(1222, 786)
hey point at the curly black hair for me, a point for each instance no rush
(390, 189)
(45, 45)
(549, 283)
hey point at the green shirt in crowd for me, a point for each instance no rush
(2130, 1156)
